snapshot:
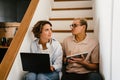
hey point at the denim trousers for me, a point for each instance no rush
(87, 76)
(42, 76)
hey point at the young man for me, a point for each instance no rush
(85, 66)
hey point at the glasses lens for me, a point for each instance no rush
(73, 25)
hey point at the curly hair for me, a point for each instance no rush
(37, 29)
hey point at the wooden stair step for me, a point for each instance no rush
(72, 0)
(68, 31)
(52, 19)
(83, 8)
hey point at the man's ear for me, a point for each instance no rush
(84, 27)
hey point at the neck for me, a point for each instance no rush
(43, 43)
(80, 37)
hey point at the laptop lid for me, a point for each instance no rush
(2, 53)
(35, 62)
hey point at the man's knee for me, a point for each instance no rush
(94, 76)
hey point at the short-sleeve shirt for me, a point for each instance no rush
(88, 45)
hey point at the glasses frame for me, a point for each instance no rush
(74, 25)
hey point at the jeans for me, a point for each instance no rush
(87, 76)
(42, 76)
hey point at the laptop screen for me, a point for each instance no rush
(2, 53)
(35, 62)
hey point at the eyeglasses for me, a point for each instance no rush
(74, 25)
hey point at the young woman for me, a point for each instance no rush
(44, 43)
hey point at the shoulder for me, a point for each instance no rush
(69, 38)
(92, 40)
(35, 41)
(55, 42)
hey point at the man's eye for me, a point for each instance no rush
(51, 29)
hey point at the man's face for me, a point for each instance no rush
(76, 27)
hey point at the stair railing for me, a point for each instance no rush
(14, 47)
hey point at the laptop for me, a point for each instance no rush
(2, 53)
(35, 62)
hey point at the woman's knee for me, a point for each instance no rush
(42, 77)
(30, 76)
(48, 76)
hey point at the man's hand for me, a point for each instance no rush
(82, 61)
(75, 60)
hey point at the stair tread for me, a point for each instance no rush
(82, 8)
(68, 31)
(72, 0)
(88, 18)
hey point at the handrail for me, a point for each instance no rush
(12, 51)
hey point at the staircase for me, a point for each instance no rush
(63, 13)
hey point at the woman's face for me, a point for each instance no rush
(46, 32)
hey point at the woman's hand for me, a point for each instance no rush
(52, 68)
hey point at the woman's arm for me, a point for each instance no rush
(57, 56)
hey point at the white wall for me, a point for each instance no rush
(107, 18)
(104, 21)
(42, 13)
(116, 41)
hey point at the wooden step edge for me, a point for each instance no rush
(9, 27)
(9, 24)
(68, 31)
(71, 0)
(82, 8)
(56, 19)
